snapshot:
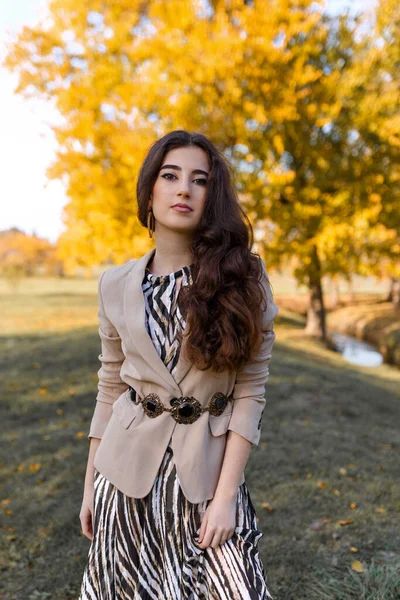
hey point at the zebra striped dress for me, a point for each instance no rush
(144, 548)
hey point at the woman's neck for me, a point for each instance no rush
(170, 258)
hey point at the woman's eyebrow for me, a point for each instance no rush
(197, 171)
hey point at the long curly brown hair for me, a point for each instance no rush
(223, 307)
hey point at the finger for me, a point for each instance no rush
(228, 535)
(208, 536)
(87, 526)
(216, 540)
(224, 539)
(91, 525)
(203, 528)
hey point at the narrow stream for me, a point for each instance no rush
(356, 351)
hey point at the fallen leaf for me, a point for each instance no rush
(357, 566)
(267, 506)
(345, 522)
(336, 492)
(342, 471)
(318, 524)
(353, 549)
(80, 434)
(321, 484)
(352, 505)
(380, 509)
(34, 467)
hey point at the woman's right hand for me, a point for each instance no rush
(86, 515)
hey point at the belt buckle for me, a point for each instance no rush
(185, 409)
(217, 404)
(152, 405)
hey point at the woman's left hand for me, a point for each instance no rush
(218, 523)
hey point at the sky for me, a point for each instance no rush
(29, 200)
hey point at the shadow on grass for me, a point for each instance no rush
(289, 319)
(329, 440)
(49, 384)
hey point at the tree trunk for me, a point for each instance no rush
(350, 289)
(396, 294)
(316, 312)
(389, 296)
(335, 293)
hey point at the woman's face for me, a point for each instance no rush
(182, 179)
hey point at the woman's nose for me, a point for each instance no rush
(184, 192)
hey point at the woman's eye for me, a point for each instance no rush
(171, 175)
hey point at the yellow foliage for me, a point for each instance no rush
(278, 144)
(263, 75)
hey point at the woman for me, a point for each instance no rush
(186, 333)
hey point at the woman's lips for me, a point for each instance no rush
(182, 209)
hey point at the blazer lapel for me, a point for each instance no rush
(135, 313)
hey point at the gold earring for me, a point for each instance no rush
(151, 222)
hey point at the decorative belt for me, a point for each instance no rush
(185, 409)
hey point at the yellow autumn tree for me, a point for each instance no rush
(262, 79)
(23, 254)
(369, 238)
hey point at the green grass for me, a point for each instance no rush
(378, 582)
(329, 452)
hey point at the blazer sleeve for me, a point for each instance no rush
(110, 384)
(251, 377)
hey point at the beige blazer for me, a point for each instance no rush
(132, 444)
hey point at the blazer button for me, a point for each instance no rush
(174, 401)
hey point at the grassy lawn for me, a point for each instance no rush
(325, 479)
